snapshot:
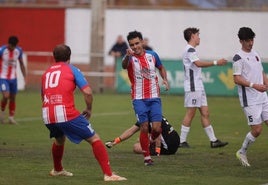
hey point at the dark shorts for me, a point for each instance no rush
(172, 141)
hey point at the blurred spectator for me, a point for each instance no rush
(119, 48)
(146, 44)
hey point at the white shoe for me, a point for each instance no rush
(242, 158)
(60, 173)
(11, 120)
(109, 144)
(114, 177)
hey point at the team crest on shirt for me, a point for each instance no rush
(257, 58)
(150, 58)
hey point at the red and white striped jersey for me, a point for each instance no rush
(8, 62)
(58, 85)
(143, 75)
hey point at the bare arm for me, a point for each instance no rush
(126, 58)
(265, 79)
(129, 132)
(22, 67)
(239, 80)
(87, 92)
(219, 62)
(163, 74)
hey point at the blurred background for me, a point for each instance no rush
(92, 27)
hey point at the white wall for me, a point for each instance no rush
(164, 28)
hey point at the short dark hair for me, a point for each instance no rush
(133, 35)
(62, 52)
(188, 33)
(13, 40)
(245, 33)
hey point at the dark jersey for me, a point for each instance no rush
(170, 139)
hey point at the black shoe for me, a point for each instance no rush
(184, 145)
(218, 144)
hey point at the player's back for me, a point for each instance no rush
(58, 85)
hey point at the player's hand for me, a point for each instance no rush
(130, 52)
(86, 113)
(166, 84)
(221, 62)
(260, 87)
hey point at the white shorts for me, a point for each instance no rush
(195, 99)
(256, 114)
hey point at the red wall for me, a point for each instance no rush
(38, 29)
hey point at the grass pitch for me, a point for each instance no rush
(25, 157)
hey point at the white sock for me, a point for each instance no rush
(184, 133)
(249, 139)
(210, 133)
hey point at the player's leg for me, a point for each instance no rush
(205, 121)
(12, 100)
(57, 151)
(4, 87)
(255, 122)
(142, 113)
(145, 143)
(79, 129)
(186, 125)
(191, 102)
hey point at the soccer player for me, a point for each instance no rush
(9, 55)
(145, 90)
(195, 95)
(169, 139)
(62, 118)
(252, 85)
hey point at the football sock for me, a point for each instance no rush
(12, 107)
(57, 154)
(210, 133)
(249, 139)
(184, 133)
(158, 150)
(117, 140)
(144, 141)
(3, 105)
(101, 155)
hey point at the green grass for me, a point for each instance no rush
(25, 157)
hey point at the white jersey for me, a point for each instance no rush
(192, 74)
(249, 66)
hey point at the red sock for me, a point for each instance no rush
(12, 107)
(101, 155)
(57, 154)
(3, 105)
(144, 141)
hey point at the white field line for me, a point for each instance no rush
(93, 115)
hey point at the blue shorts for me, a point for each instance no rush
(148, 110)
(9, 86)
(75, 130)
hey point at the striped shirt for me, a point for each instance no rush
(143, 76)
(8, 62)
(58, 85)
